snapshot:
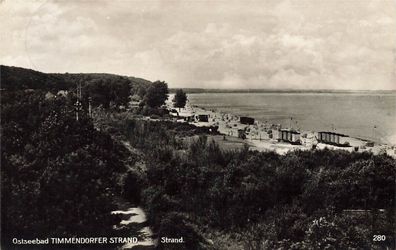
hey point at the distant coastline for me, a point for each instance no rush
(337, 91)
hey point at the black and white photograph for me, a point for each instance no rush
(198, 124)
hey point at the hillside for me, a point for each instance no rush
(16, 78)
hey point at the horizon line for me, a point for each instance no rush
(279, 89)
(213, 89)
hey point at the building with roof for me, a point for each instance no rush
(202, 118)
(246, 120)
(289, 135)
(332, 138)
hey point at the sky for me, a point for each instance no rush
(272, 44)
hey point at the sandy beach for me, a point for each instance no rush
(265, 136)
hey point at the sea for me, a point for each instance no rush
(367, 115)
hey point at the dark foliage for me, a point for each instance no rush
(295, 201)
(58, 175)
(180, 99)
(107, 90)
(156, 94)
(15, 78)
(178, 226)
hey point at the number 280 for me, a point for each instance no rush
(379, 237)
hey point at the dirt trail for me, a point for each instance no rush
(134, 217)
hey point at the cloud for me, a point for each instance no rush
(238, 44)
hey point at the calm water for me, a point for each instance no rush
(354, 114)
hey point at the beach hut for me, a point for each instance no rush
(288, 135)
(331, 138)
(246, 120)
(202, 118)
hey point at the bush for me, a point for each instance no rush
(58, 175)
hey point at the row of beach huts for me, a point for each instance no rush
(248, 128)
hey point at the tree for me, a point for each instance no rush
(180, 99)
(156, 94)
(108, 91)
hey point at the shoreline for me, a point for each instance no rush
(364, 116)
(263, 136)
